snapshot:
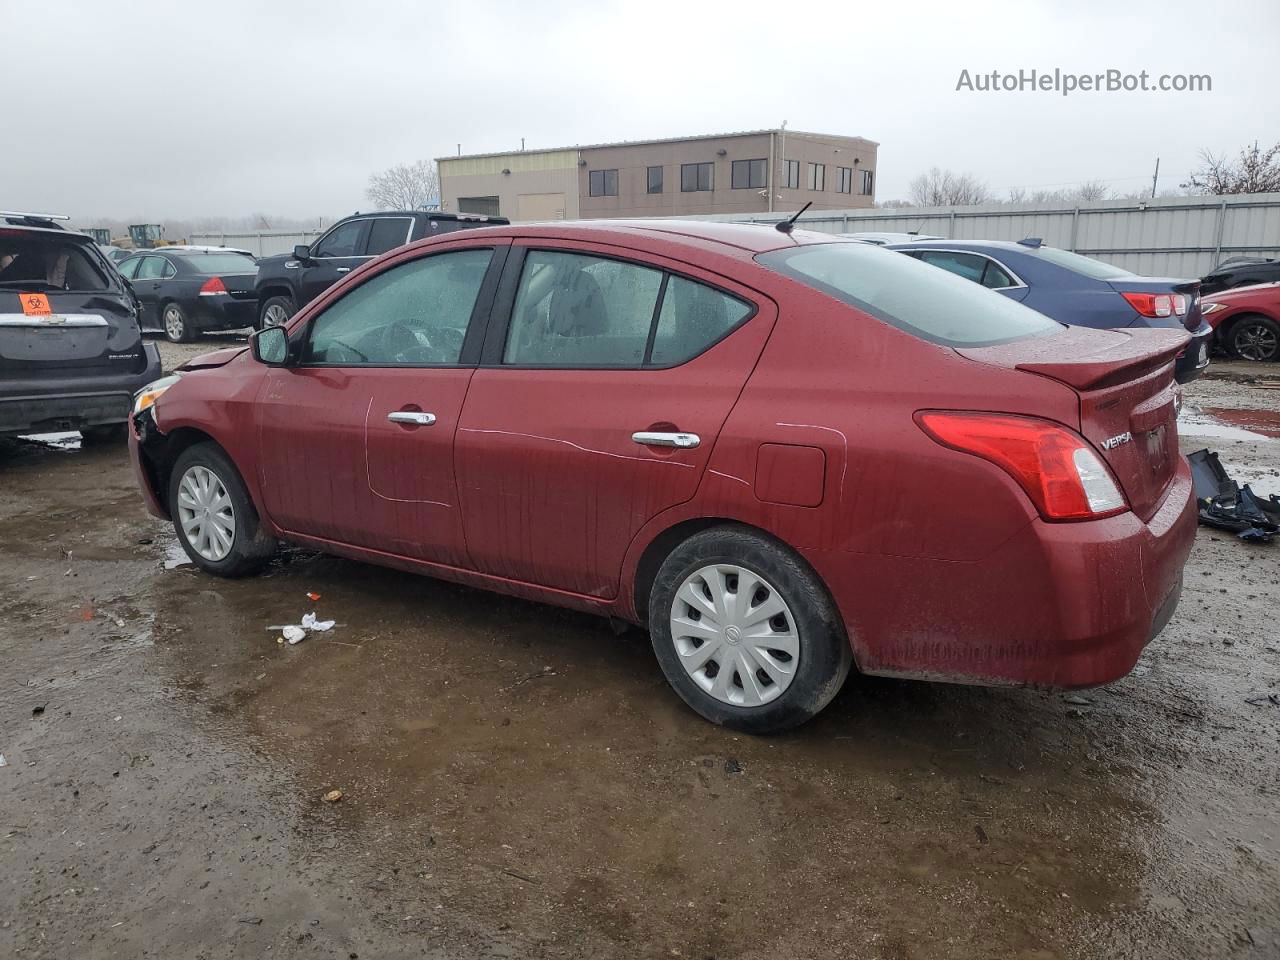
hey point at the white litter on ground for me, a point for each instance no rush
(296, 633)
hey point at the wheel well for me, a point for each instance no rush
(278, 291)
(176, 442)
(662, 545)
(1230, 322)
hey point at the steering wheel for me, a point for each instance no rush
(401, 343)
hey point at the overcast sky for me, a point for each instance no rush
(179, 108)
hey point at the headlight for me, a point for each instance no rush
(151, 392)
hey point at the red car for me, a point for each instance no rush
(784, 454)
(1246, 321)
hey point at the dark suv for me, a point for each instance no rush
(71, 353)
(288, 282)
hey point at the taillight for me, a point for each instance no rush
(1064, 477)
(1180, 304)
(212, 287)
(1153, 304)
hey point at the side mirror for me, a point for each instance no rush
(270, 345)
(302, 252)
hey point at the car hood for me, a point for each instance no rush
(217, 358)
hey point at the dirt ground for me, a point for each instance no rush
(520, 782)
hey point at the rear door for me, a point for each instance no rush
(605, 381)
(333, 256)
(149, 281)
(62, 314)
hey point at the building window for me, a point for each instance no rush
(817, 176)
(603, 183)
(696, 177)
(749, 174)
(846, 180)
(868, 182)
(484, 206)
(792, 178)
(655, 180)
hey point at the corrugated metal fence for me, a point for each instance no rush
(261, 243)
(1169, 237)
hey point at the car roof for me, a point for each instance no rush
(1008, 245)
(12, 225)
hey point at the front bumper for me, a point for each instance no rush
(144, 435)
(1059, 605)
(73, 403)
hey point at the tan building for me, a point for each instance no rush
(753, 172)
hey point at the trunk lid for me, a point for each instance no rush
(240, 286)
(1128, 400)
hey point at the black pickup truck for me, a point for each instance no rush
(288, 282)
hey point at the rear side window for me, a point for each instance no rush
(34, 262)
(693, 317)
(387, 233)
(154, 268)
(415, 314)
(929, 303)
(130, 267)
(967, 265)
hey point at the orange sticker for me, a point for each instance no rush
(35, 304)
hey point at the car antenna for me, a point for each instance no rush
(786, 226)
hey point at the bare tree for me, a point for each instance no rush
(406, 186)
(1091, 190)
(1254, 171)
(943, 188)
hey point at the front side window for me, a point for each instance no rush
(817, 176)
(692, 318)
(792, 178)
(928, 303)
(655, 180)
(387, 233)
(696, 177)
(749, 174)
(846, 180)
(415, 314)
(603, 183)
(343, 240)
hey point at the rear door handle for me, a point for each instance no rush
(412, 416)
(686, 441)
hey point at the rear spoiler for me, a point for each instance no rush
(1130, 354)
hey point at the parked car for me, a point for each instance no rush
(287, 282)
(1076, 289)
(883, 239)
(1246, 321)
(113, 253)
(185, 291)
(71, 354)
(1240, 272)
(784, 454)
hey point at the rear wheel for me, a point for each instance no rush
(1254, 337)
(177, 325)
(276, 311)
(213, 515)
(745, 632)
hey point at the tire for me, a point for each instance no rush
(796, 689)
(276, 310)
(1254, 337)
(104, 434)
(216, 478)
(177, 325)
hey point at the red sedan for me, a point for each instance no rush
(784, 454)
(1246, 321)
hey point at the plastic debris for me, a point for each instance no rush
(1225, 505)
(309, 622)
(294, 634)
(312, 596)
(333, 796)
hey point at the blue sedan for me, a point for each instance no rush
(1077, 290)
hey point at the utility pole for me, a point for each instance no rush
(1154, 178)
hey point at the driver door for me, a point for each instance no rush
(356, 440)
(334, 255)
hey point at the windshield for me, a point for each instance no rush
(221, 263)
(37, 262)
(932, 304)
(1088, 266)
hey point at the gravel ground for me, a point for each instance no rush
(517, 781)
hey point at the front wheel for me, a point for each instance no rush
(745, 632)
(276, 311)
(1254, 338)
(177, 325)
(213, 515)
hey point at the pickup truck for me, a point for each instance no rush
(288, 282)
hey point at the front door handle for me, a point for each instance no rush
(415, 417)
(685, 441)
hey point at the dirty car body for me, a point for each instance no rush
(789, 448)
(71, 353)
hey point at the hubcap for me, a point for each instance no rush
(173, 323)
(206, 514)
(1255, 342)
(735, 635)
(274, 316)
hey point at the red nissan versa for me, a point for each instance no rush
(785, 454)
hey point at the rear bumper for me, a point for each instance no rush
(1059, 605)
(223, 313)
(1195, 358)
(72, 403)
